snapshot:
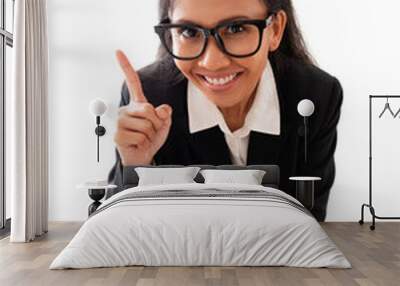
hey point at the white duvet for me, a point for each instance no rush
(200, 231)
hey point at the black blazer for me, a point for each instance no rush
(295, 81)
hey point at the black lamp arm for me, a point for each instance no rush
(100, 131)
(305, 138)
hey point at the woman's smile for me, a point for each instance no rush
(219, 82)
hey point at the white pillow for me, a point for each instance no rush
(248, 177)
(162, 176)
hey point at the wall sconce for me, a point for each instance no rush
(97, 107)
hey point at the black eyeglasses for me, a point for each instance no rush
(239, 38)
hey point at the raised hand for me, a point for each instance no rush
(142, 129)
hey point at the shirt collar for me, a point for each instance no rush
(263, 116)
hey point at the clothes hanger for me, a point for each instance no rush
(387, 107)
(397, 113)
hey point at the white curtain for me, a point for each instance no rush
(28, 121)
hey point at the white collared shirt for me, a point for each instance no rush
(263, 116)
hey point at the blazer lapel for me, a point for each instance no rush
(266, 148)
(204, 147)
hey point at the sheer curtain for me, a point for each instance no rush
(28, 121)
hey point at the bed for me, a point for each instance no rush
(201, 224)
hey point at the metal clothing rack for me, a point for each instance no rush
(370, 205)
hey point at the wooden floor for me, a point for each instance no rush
(374, 255)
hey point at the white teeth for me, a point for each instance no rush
(220, 81)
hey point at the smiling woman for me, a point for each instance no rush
(238, 51)
(224, 90)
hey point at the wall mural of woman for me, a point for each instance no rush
(224, 90)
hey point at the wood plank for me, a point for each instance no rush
(374, 255)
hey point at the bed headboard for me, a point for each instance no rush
(270, 179)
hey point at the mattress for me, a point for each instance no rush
(201, 225)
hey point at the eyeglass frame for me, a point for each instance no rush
(161, 28)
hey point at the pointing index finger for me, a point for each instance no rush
(131, 77)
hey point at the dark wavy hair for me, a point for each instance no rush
(292, 45)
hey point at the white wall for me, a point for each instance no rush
(350, 39)
(83, 36)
